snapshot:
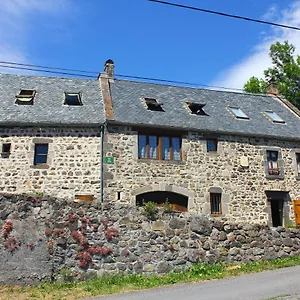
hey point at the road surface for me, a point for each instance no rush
(259, 286)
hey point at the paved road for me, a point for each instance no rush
(247, 287)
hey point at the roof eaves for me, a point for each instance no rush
(205, 131)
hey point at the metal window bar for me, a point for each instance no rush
(215, 204)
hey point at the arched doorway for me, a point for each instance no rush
(179, 202)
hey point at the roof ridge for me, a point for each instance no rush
(195, 88)
(45, 76)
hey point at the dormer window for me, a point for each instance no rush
(72, 99)
(153, 104)
(272, 116)
(238, 113)
(25, 97)
(196, 108)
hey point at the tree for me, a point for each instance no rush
(285, 73)
(255, 86)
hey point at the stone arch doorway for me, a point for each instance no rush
(179, 202)
(161, 192)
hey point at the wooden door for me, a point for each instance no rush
(297, 212)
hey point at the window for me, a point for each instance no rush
(196, 108)
(40, 154)
(25, 97)
(238, 113)
(152, 104)
(159, 147)
(272, 163)
(211, 145)
(273, 117)
(298, 163)
(73, 99)
(5, 150)
(215, 204)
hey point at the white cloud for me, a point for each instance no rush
(259, 60)
(14, 39)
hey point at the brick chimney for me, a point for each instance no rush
(272, 88)
(106, 78)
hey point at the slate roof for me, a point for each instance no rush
(48, 107)
(129, 108)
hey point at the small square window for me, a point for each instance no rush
(272, 161)
(40, 154)
(298, 163)
(5, 150)
(153, 104)
(196, 108)
(25, 97)
(73, 99)
(212, 145)
(238, 113)
(271, 115)
(215, 203)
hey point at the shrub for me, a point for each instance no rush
(110, 233)
(151, 209)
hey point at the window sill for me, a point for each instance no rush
(280, 176)
(5, 155)
(216, 215)
(212, 153)
(157, 161)
(41, 166)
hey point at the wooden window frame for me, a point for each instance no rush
(215, 197)
(159, 146)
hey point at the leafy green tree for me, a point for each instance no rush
(255, 86)
(285, 73)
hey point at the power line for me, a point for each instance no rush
(46, 71)
(178, 82)
(225, 14)
(21, 66)
(43, 67)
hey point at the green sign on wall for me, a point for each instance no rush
(109, 160)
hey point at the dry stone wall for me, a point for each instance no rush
(43, 238)
(73, 161)
(243, 188)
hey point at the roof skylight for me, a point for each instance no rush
(153, 104)
(73, 99)
(271, 115)
(25, 97)
(196, 108)
(238, 113)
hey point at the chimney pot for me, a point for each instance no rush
(109, 69)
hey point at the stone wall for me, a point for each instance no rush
(44, 238)
(243, 188)
(73, 165)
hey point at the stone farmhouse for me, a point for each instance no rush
(228, 155)
(50, 136)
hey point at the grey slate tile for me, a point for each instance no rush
(130, 109)
(48, 107)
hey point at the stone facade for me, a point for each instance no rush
(243, 186)
(73, 162)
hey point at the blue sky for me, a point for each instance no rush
(147, 39)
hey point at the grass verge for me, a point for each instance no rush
(124, 283)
